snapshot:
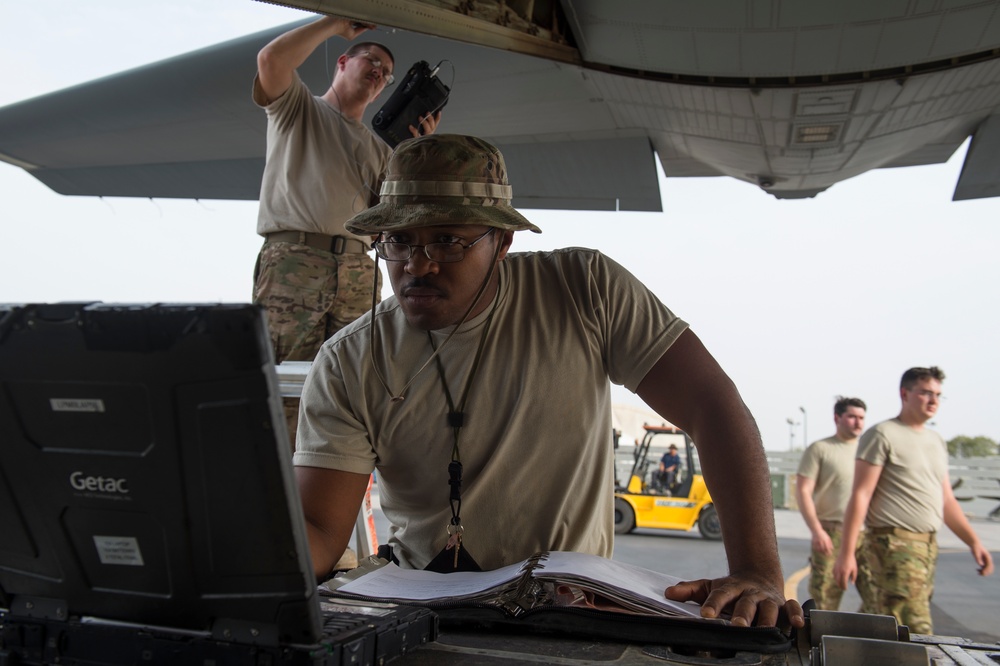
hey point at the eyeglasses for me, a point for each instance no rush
(442, 253)
(377, 64)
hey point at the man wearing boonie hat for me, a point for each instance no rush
(481, 393)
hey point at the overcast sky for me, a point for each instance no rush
(799, 300)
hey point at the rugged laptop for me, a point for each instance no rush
(148, 509)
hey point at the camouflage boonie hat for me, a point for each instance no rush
(442, 179)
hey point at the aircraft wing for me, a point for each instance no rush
(582, 96)
(187, 128)
(183, 127)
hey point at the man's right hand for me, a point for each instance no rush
(751, 600)
(350, 28)
(822, 543)
(845, 571)
(278, 60)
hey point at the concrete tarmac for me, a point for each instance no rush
(964, 603)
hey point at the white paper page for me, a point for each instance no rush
(637, 581)
(392, 582)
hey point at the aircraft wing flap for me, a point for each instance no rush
(237, 179)
(595, 174)
(933, 153)
(980, 177)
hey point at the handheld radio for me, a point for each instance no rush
(420, 93)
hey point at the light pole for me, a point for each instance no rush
(805, 434)
(791, 433)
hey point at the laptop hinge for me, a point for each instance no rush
(242, 631)
(39, 607)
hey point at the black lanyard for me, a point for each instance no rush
(456, 419)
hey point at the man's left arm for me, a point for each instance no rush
(956, 521)
(687, 387)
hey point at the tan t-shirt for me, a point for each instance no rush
(536, 445)
(910, 491)
(830, 462)
(321, 167)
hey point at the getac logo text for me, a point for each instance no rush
(102, 484)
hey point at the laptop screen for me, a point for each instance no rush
(145, 471)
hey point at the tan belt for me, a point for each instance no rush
(926, 537)
(831, 525)
(332, 244)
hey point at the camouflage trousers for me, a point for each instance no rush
(823, 587)
(308, 295)
(899, 572)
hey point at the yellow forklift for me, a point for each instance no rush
(646, 502)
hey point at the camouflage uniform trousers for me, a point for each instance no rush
(823, 587)
(899, 573)
(308, 295)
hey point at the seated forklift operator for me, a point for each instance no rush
(481, 394)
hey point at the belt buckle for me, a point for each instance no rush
(338, 245)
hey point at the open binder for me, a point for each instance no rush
(556, 591)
